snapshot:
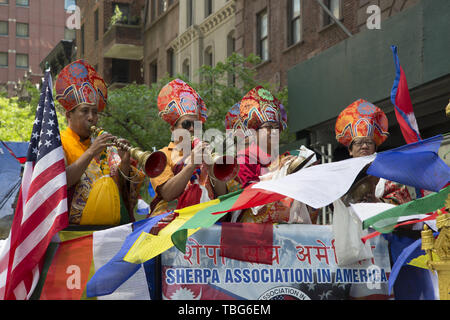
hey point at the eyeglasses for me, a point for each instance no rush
(370, 143)
(187, 124)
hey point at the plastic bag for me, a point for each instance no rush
(347, 231)
(299, 213)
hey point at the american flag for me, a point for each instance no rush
(42, 205)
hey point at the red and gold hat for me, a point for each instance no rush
(361, 119)
(177, 99)
(232, 118)
(259, 106)
(79, 83)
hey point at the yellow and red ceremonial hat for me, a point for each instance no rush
(77, 83)
(177, 99)
(232, 118)
(361, 119)
(259, 106)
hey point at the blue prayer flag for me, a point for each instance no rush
(415, 164)
(115, 272)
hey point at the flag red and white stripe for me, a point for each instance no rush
(42, 205)
(402, 103)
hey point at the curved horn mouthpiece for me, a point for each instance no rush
(153, 163)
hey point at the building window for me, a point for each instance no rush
(23, 3)
(190, 13)
(124, 8)
(294, 21)
(96, 26)
(4, 2)
(209, 56)
(153, 10)
(82, 41)
(208, 7)
(231, 47)
(263, 35)
(21, 60)
(187, 69)
(120, 71)
(22, 30)
(154, 72)
(171, 62)
(4, 28)
(162, 6)
(3, 59)
(231, 43)
(334, 7)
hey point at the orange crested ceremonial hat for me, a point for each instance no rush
(232, 118)
(79, 83)
(259, 106)
(361, 119)
(177, 99)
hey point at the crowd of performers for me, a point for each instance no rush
(104, 181)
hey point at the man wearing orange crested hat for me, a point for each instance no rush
(183, 182)
(362, 127)
(261, 116)
(100, 190)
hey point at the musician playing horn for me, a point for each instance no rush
(259, 115)
(362, 127)
(185, 181)
(102, 185)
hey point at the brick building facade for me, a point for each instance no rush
(361, 66)
(317, 32)
(27, 35)
(161, 26)
(114, 49)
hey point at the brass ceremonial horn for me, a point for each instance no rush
(153, 163)
(224, 168)
(298, 163)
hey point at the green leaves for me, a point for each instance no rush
(17, 115)
(132, 111)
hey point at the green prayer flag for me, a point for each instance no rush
(204, 219)
(385, 221)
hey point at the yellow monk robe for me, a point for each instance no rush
(96, 199)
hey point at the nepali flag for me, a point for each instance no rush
(402, 103)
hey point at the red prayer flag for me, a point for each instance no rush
(69, 272)
(253, 197)
(251, 242)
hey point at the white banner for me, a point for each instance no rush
(303, 267)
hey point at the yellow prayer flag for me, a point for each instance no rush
(148, 246)
(70, 235)
(421, 261)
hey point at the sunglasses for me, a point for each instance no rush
(187, 124)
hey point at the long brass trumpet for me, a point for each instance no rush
(153, 163)
(224, 168)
